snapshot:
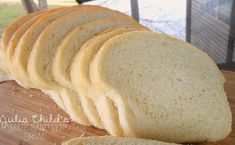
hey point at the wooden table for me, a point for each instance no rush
(16, 101)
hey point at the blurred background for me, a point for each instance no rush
(207, 24)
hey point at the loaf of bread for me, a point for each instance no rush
(164, 88)
(109, 140)
(106, 70)
(46, 46)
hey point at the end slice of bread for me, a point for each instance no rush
(164, 88)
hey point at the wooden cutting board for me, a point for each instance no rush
(30, 112)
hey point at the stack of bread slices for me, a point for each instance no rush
(105, 69)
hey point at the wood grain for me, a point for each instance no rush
(15, 100)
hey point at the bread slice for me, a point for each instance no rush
(24, 47)
(74, 109)
(164, 88)
(80, 78)
(40, 70)
(71, 45)
(110, 140)
(9, 31)
(20, 32)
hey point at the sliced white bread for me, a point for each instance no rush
(9, 52)
(110, 140)
(9, 31)
(12, 45)
(14, 41)
(7, 35)
(24, 47)
(22, 52)
(164, 88)
(40, 70)
(81, 81)
(70, 45)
